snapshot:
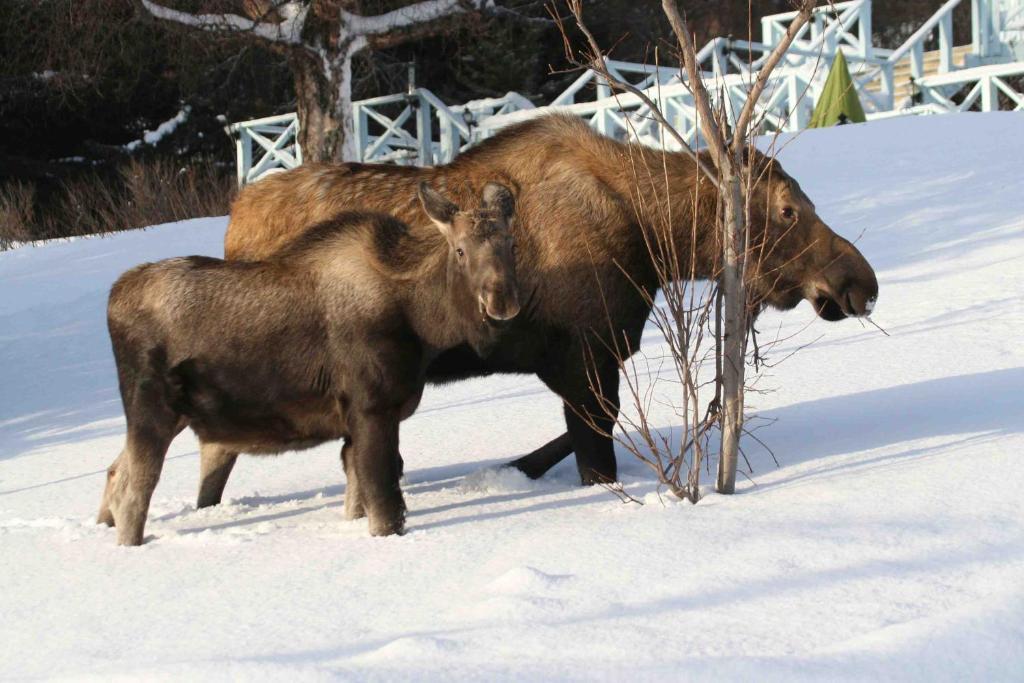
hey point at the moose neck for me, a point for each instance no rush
(673, 202)
(441, 309)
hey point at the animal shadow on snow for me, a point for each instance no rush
(415, 482)
(983, 403)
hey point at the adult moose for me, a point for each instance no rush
(329, 339)
(586, 208)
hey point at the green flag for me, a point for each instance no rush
(838, 98)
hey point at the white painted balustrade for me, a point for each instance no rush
(418, 128)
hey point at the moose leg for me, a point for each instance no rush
(215, 464)
(536, 463)
(591, 408)
(375, 447)
(105, 516)
(353, 500)
(152, 425)
(132, 480)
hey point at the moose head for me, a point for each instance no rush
(481, 246)
(794, 255)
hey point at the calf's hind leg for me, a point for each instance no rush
(131, 481)
(105, 516)
(215, 465)
(152, 425)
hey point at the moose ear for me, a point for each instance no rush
(497, 196)
(440, 210)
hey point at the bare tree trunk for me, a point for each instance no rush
(320, 52)
(323, 93)
(734, 327)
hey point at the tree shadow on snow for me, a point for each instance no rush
(979, 407)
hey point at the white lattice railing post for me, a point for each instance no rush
(796, 88)
(243, 152)
(424, 135)
(917, 60)
(359, 126)
(979, 31)
(989, 95)
(867, 48)
(946, 43)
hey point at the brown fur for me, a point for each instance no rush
(329, 339)
(587, 209)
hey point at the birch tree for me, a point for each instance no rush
(320, 38)
(727, 150)
(733, 180)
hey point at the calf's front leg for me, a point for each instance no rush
(376, 462)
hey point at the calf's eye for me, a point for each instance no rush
(459, 251)
(788, 212)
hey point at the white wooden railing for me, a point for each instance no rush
(418, 128)
(986, 83)
(833, 25)
(275, 142)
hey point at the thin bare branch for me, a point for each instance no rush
(702, 101)
(743, 120)
(596, 62)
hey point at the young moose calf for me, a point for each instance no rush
(329, 340)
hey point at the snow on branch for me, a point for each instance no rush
(288, 31)
(152, 137)
(411, 15)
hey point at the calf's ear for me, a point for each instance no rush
(497, 196)
(440, 210)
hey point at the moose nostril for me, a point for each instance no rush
(858, 302)
(502, 307)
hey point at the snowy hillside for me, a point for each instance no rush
(889, 543)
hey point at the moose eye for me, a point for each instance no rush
(788, 212)
(458, 250)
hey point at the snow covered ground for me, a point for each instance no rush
(888, 544)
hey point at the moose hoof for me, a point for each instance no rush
(207, 502)
(354, 513)
(105, 517)
(129, 538)
(593, 477)
(387, 527)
